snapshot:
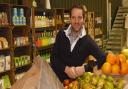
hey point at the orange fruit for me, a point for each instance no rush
(127, 61)
(111, 58)
(120, 59)
(115, 69)
(66, 82)
(124, 68)
(106, 68)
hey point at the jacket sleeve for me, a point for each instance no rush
(55, 58)
(96, 52)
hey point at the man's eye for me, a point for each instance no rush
(79, 17)
(73, 17)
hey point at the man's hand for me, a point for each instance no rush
(79, 70)
(70, 71)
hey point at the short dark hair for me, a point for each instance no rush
(78, 6)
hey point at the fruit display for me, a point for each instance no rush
(115, 64)
(125, 52)
(92, 81)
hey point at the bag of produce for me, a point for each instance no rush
(39, 76)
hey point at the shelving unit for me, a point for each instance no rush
(47, 23)
(94, 28)
(21, 38)
(43, 30)
(5, 53)
(59, 18)
(98, 34)
(90, 24)
(22, 45)
(15, 39)
(66, 16)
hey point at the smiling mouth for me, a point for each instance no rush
(77, 26)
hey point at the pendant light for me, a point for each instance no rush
(47, 3)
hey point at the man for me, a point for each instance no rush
(72, 46)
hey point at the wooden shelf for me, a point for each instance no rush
(28, 64)
(45, 27)
(45, 47)
(3, 27)
(39, 11)
(23, 68)
(22, 46)
(4, 49)
(4, 72)
(23, 6)
(20, 25)
(99, 36)
(50, 28)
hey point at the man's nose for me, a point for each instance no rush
(76, 20)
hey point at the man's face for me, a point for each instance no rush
(77, 19)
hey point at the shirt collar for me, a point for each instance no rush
(68, 31)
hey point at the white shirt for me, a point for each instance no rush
(68, 31)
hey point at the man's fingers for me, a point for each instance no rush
(73, 73)
(79, 70)
(70, 71)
